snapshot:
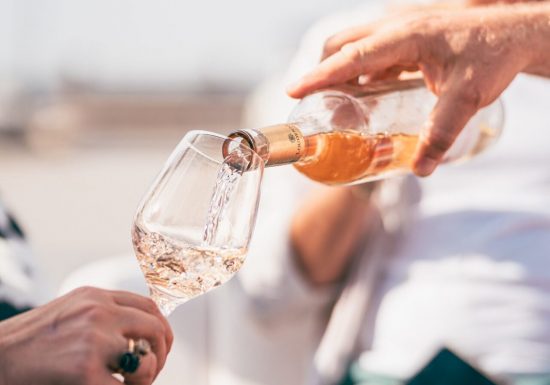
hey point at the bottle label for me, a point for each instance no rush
(286, 144)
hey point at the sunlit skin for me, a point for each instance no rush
(78, 338)
(468, 57)
(328, 229)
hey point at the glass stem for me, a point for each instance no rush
(165, 302)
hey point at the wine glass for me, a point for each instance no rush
(192, 229)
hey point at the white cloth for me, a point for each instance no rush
(473, 273)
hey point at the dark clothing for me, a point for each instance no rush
(16, 272)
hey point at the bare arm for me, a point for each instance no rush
(329, 229)
(468, 57)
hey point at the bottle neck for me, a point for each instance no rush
(293, 142)
(276, 145)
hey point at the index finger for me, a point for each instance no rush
(147, 305)
(368, 55)
(134, 323)
(451, 113)
(334, 43)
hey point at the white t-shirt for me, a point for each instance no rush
(473, 271)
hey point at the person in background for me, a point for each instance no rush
(412, 267)
(81, 338)
(468, 58)
(368, 284)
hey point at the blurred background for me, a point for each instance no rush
(95, 94)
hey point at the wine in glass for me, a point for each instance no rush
(192, 229)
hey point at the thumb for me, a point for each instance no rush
(449, 116)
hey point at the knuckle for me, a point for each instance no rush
(89, 292)
(438, 142)
(80, 290)
(91, 340)
(425, 23)
(150, 305)
(93, 312)
(354, 54)
(470, 96)
(418, 23)
(331, 44)
(352, 51)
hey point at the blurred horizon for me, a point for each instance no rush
(95, 95)
(168, 44)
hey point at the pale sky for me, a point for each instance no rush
(172, 43)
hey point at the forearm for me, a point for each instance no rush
(270, 283)
(327, 231)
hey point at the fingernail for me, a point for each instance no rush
(425, 167)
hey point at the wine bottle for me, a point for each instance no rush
(357, 134)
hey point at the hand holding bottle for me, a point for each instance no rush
(468, 57)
